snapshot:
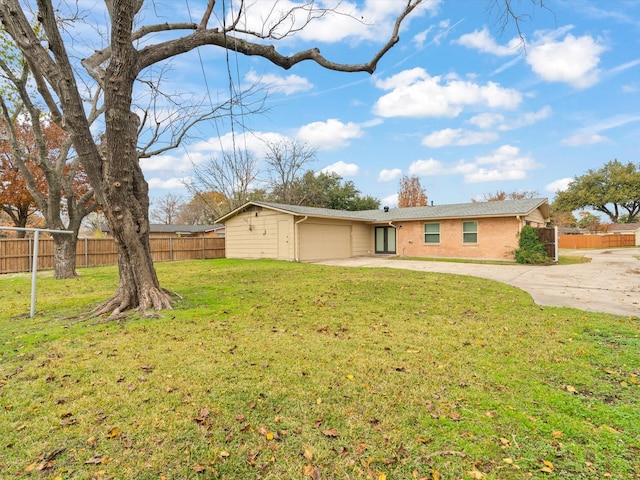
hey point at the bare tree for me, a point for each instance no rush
(231, 176)
(167, 209)
(501, 195)
(115, 172)
(285, 161)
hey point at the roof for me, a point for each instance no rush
(624, 227)
(507, 208)
(162, 228)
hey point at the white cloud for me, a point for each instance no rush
(389, 175)
(486, 120)
(343, 169)
(426, 167)
(390, 201)
(169, 183)
(414, 93)
(573, 60)
(482, 41)
(631, 87)
(288, 85)
(329, 135)
(558, 185)
(526, 119)
(458, 137)
(504, 163)
(253, 142)
(580, 139)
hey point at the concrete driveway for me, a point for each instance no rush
(610, 283)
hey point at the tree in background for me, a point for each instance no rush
(590, 222)
(232, 176)
(612, 190)
(327, 190)
(501, 195)
(15, 200)
(166, 209)
(201, 209)
(561, 218)
(42, 173)
(411, 193)
(285, 160)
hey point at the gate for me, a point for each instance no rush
(548, 239)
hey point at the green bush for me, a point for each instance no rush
(531, 251)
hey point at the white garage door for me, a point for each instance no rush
(324, 242)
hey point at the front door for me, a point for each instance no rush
(385, 240)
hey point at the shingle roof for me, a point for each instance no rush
(162, 228)
(507, 208)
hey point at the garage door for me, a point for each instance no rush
(324, 242)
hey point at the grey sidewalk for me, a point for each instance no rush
(610, 283)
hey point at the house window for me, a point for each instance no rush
(431, 233)
(469, 232)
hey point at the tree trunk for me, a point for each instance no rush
(64, 253)
(126, 192)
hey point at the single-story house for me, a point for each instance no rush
(486, 230)
(160, 230)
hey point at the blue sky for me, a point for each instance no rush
(458, 102)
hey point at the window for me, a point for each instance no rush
(431, 233)
(469, 232)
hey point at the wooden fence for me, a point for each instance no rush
(16, 253)
(597, 241)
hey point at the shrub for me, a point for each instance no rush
(531, 251)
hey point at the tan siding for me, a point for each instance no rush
(536, 219)
(497, 238)
(254, 234)
(324, 239)
(362, 240)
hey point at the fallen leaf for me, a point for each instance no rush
(571, 389)
(114, 432)
(361, 447)
(557, 434)
(240, 417)
(97, 460)
(312, 471)
(508, 461)
(91, 441)
(330, 432)
(198, 468)
(475, 474)
(308, 453)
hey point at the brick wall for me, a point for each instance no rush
(497, 238)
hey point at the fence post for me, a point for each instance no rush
(202, 257)
(86, 252)
(170, 249)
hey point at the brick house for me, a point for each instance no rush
(481, 230)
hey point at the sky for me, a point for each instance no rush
(460, 101)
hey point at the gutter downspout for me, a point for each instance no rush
(296, 247)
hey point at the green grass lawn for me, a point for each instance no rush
(276, 370)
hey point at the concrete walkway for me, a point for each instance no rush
(610, 283)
